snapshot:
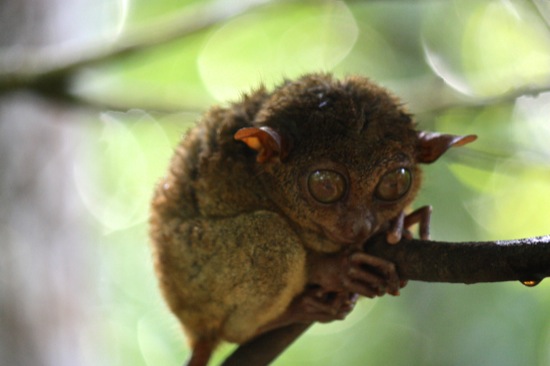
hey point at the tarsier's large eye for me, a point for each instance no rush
(393, 185)
(326, 186)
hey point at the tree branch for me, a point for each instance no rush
(468, 262)
(266, 347)
(525, 260)
(51, 78)
(436, 96)
(50, 74)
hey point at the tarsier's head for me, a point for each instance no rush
(340, 158)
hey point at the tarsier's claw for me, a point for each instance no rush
(393, 238)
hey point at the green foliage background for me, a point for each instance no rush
(457, 65)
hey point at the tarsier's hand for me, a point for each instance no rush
(318, 305)
(370, 276)
(338, 280)
(314, 304)
(361, 274)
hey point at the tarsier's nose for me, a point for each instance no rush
(363, 229)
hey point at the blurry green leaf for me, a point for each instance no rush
(441, 37)
(504, 48)
(532, 127)
(478, 179)
(491, 123)
(161, 78)
(132, 153)
(518, 204)
(159, 350)
(285, 42)
(487, 48)
(387, 46)
(143, 11)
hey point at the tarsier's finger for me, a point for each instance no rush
(323, 312)
(316, 304)
(346, 303)
(320, 317)
(407, 234)
(421, 217)
(358, 274)
(352, 298)
(362, 288)
(395, 232)
(368, 268)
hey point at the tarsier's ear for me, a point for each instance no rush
(433, 144)
(266, 141)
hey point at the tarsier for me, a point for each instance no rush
(260, 219)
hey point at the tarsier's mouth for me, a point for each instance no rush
(343, 239)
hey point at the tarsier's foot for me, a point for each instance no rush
(315, 305)
(327, 306)
(371, 276)
(318, 305)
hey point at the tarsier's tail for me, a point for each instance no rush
(202, 350)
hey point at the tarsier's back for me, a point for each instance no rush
(258, 191)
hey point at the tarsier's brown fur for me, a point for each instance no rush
(240, 243)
